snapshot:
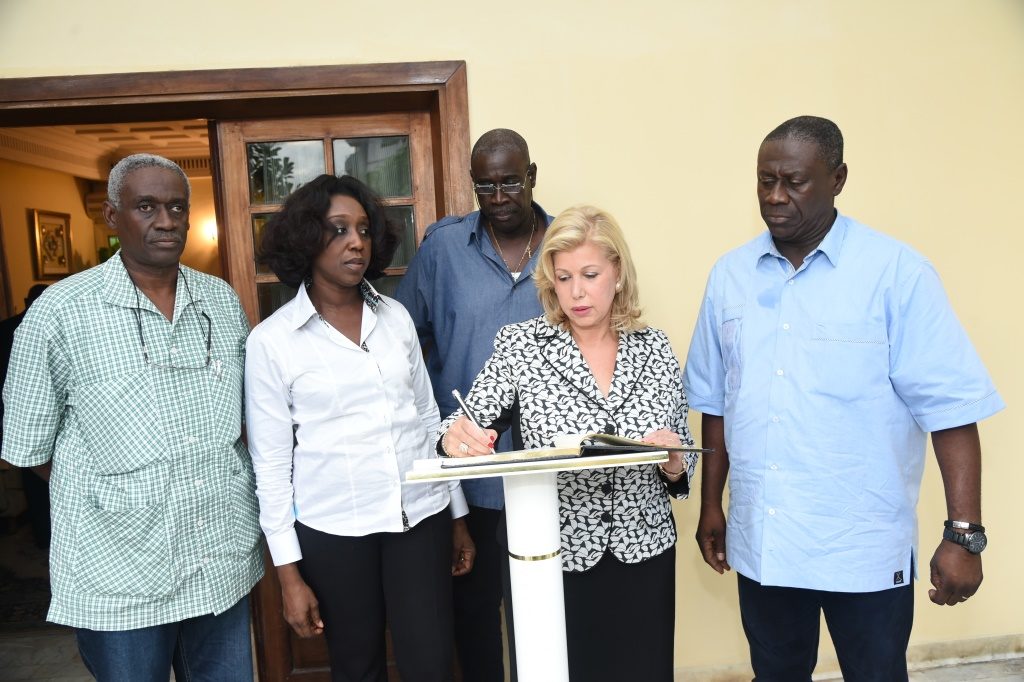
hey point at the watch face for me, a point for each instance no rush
(976, 542)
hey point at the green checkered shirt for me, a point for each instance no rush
(151, 491)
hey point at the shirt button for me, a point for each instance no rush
(790, 282)
(200, 523)
(779, 372)
(771, 512)
(785, 325)
(206, 561)
(774, 467)
(775, 420)
(606, 517)
(174, 349)
(192, 439)
(606, 488)
(199, 483)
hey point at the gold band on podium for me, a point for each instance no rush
(542, 557)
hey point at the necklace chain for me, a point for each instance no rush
(527, 252)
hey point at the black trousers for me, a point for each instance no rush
(478, 598)
(620, 620)
(870, 631)
(403, 579)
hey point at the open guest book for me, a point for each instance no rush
(590, 445)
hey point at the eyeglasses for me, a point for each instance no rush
(200, 315)
(488, 188)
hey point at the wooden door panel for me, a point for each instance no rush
(281, 655)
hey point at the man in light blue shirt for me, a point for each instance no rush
(823, 354)
(471, 276)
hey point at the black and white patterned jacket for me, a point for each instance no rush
(538, 383)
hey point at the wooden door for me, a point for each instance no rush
(257, 163)
(261, 162)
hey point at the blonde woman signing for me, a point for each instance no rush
(589, 364)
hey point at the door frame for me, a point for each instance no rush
(439, 88)
(216, 94)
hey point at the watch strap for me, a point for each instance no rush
(964, 525)
(973, 541)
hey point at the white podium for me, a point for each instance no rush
(534, 545)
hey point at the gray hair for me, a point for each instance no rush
(129, 164)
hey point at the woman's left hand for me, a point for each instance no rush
(463, 549)
(670, 439)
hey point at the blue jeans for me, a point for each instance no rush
(204, 649)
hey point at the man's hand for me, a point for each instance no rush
(463, 549)
(300, 606)
(956, 574)
(711, 537)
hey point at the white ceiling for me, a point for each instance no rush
(89, 151)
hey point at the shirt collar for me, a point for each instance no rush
(304, 309)
(831, 245)
(479, 231)
(119, 290)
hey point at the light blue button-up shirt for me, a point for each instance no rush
(829, 378)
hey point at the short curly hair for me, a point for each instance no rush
(816, 130)
(293, 238)
(573, 227)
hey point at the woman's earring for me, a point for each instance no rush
(618, 286)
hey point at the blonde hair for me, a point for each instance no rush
(570, 229)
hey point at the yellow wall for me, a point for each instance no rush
(654, 110)
(26, 187)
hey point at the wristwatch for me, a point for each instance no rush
(974, 540)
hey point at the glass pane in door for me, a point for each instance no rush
(403, 217)
(273, 295)
(259, 221)
(278, 168)
(380, 162)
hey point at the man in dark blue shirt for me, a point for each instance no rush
(471, 276)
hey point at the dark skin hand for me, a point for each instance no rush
(300, 606)
(956, 573)
(301, 609)
(463, 549)
(714, 470)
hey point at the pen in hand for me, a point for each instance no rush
(465, 410)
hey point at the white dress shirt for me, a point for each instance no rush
(334, 426)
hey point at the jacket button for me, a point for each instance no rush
(606, 517)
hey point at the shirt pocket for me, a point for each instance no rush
(731, 327)
(121, 427)
(124, 552)
(851, 358)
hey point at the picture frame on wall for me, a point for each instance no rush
(51, 243)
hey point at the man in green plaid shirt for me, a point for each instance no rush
(125, 388)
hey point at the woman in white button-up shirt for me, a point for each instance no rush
(338, 405)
